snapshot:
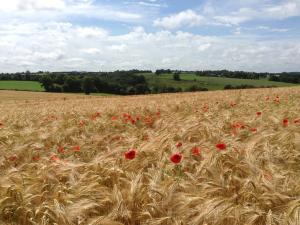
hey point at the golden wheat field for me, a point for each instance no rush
(213, 158)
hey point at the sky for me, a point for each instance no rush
(108, 35)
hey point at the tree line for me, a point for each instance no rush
(245, 86)
(119, 82)
(133, 81)
(289, 77)
(232, 74)
(286, 77)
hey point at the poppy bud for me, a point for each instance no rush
(196, 151)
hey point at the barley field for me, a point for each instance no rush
(213, 158)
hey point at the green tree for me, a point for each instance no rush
(72, 84)
(88, 85)
(176, 76)
(47, 82)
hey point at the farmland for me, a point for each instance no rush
(211, 83)
(154, 82)
(21, 85)
(222, 157)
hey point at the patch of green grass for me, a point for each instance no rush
(31, 86)
(21, 85)
(211, 83)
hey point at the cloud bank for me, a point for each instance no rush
(66, 35)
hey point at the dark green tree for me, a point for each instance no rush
(72, 84)
(88, 85)
(47, 82)
(176, 76)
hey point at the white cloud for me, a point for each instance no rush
(118, 47)
(151, 4)
(270, 29)
(90, 32)
(92, 51)
(287, 9)
(279, 11)
(204, 47)
(231, 13)
(231, 20)
(58, 10)
(53, 55)
(184, 18)
(102, 12)
(13, 5)
(58, 46)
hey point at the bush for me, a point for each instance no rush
(244, 86)
(228, 86)
(195, 88)
(176, 76)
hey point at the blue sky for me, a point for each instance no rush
(105, 35)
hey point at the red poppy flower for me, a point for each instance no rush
(130, 154)
(258, 113)
(60, 149)
(81, 123)
(205, 108)
(138, 118)
(13, 158)
(125, 115)
(36, 158)
(176, 158)
(267, 98)
(285, 122)
(76, 148)
(1, 124)
(221, 146)
(54, 158)
(238, 125)
(277, 99)
(253, 129)
(146, 137)
(179, 144)
(114, 118)
(149, 121)
(297, 121)
(95, 116)
(196, 151)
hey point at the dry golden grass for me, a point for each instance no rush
(255, 180)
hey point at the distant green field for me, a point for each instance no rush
(31, 86)
(211, 83)
(21, 85)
